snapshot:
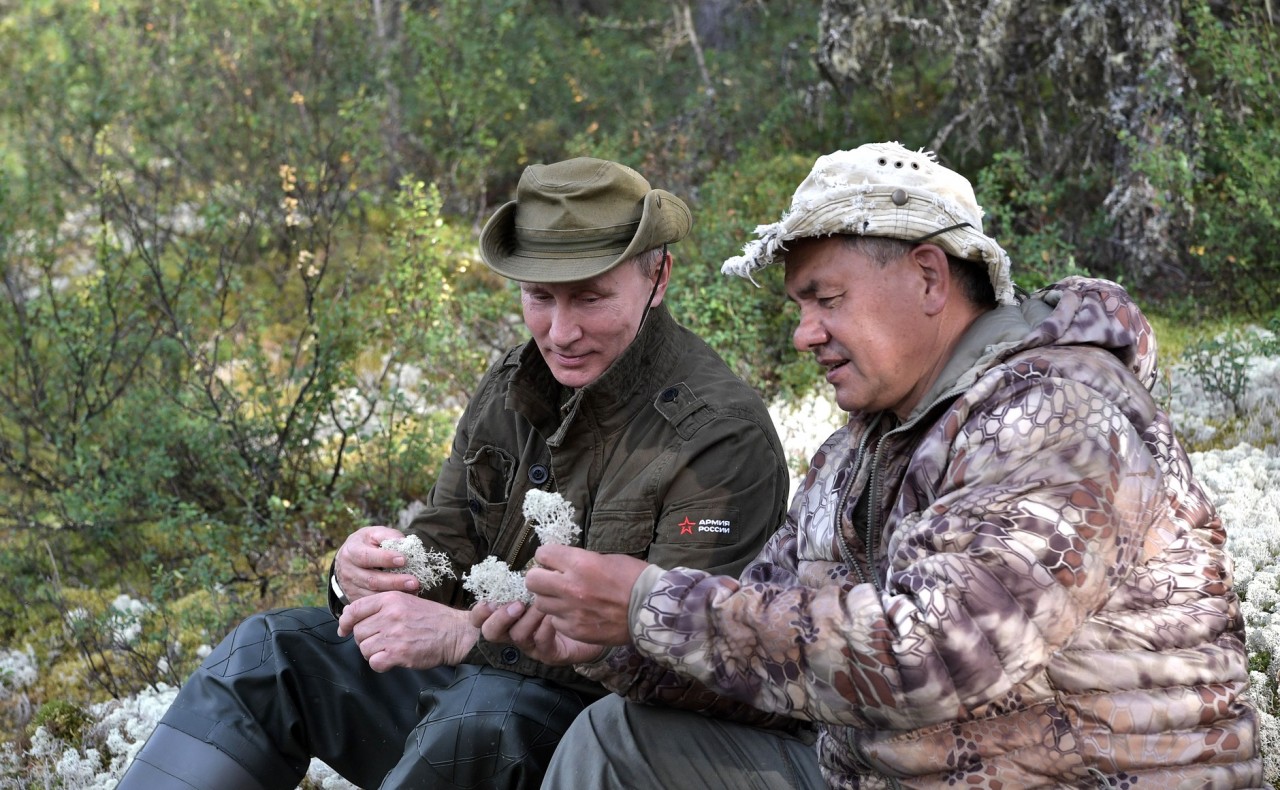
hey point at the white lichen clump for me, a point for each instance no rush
(119, 730)
(493, 581)
(428, 567)
(17, 671)
(552, 517)
(124, 619)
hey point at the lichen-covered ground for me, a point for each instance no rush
(1236, 458)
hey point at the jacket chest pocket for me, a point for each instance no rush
(620, 532)
(490, 478)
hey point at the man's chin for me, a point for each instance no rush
(574, 378)
(847, 401)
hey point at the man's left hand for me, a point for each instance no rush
(584, 594)
(396, 629)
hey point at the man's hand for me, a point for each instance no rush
(396, 629)
(529, 629)
(585, 595)
(360, 562)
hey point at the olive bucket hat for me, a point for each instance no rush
(883, 189)
(575, 219)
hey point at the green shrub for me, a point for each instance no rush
(1221, 364)
(751, 327)
(1023, 213)
(1234, 246)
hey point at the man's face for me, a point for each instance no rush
(582, 327)
(865, 324)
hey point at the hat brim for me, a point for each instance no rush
(664, 219)
(871, 210)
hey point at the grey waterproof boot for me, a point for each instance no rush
(173, 760)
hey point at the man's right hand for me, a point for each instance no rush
(529, 629)
(361, 562)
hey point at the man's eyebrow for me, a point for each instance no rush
(805, 291)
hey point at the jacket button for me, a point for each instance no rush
(538, 474)
(510, 655)
(669, 394)
(474, 506)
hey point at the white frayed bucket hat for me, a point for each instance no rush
(882, 189)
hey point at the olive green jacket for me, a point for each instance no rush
(667, 456)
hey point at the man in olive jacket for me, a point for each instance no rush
(663, 453)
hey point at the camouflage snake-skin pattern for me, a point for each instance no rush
(1052, 604)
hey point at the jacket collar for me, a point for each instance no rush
(1077, 311)
(982, 344)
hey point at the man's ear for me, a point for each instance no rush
(664, 278)
(936, 275)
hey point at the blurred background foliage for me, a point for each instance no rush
(241, 294)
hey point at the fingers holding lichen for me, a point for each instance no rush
(429, 567)
(552, 518)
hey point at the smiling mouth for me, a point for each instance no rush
(832, 367)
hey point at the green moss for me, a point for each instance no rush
(64, 720)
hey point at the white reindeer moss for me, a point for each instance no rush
(429, 567)
(493, 581)
(552, 518)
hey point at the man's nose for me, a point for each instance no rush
(809, 333)
(565, 327)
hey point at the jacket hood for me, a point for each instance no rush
(1082, 311)
(1078, 311)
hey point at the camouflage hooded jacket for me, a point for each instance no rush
(1027, 588)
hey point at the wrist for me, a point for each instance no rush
(337, 589)
(466, 637)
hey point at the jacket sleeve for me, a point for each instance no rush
(724, 493)
(634, 675)
(1041, 508)
(446, 524)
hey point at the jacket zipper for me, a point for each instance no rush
(873, 510)
(527, 531)
(873, 479)
(515, 551)
(845, 550)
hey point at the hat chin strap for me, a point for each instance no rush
(648, 305)
(928, 236)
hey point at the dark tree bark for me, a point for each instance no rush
(1082, 88)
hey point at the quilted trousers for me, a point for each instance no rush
(284, 687)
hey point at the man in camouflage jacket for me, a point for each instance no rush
(1001, 573)
(662, 452)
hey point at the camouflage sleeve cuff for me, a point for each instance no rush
(640, 591)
